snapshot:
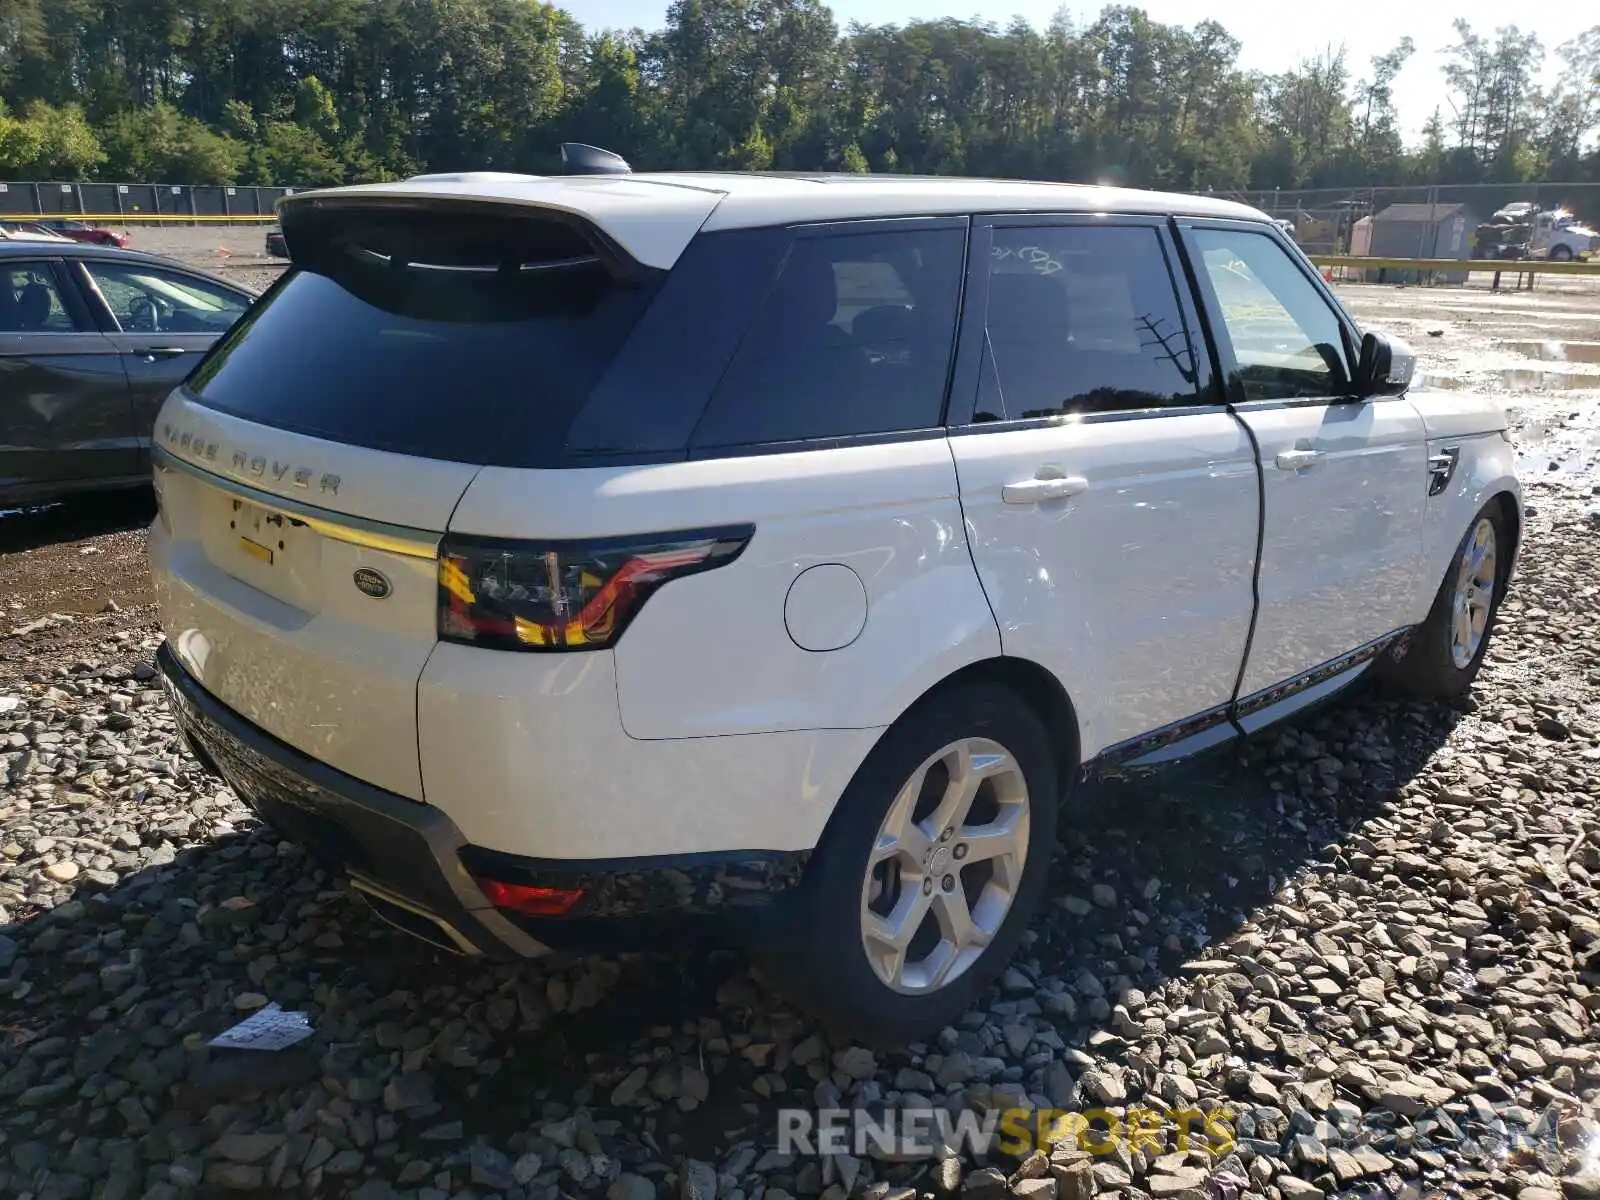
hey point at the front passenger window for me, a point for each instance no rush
(148, 300)
(1287, 341)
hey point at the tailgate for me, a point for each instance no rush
(285, 600)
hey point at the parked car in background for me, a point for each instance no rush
(276, 247)
(92, 339)
(561, 559)
(82, 231)
(29, 231)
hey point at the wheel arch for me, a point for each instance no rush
(1033, 684)
(1511, 505)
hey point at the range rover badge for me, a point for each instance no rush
(373, 583)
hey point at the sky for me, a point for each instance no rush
(1274, 35)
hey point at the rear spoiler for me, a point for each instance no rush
(449, 233)
(634, 222)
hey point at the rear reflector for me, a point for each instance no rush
(533, 901)
(511, 595)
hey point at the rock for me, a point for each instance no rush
(857, 1062)
(1105, 1086)
(1292, 1188)
(1074, 1180)
(1035, 1165)
(986, 1183)
(947, 1176)
(1408, 1098)
(524, 1170)
(345, 1162)
(406, 1093)
(235, 1177)
(698, 1181)
(247, 1147)
(1035, 1189)
(628, 1090)
(631, 1187)
(807, 1051)
(489, 1168)
(63, 872)
(1176, 1181)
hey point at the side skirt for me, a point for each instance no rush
(1242, 717)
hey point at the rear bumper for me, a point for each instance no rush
(416, 868)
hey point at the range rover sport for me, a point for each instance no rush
(564, 556)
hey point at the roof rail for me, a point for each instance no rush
(579, 159)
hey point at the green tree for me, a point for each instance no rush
(162, 145)
(293, 155)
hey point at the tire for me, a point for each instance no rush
(1436, 660)
(1561, 254)
(820, 957)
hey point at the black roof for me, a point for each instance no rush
(28, 248)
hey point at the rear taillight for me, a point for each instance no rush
(526, 898)
(513, 595)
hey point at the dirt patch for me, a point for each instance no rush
(71, 574)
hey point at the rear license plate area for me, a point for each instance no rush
(272, 551)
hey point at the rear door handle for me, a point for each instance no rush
(1054, 487)
(154, 352)
(1297, 460)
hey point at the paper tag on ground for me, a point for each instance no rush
(269, 1028)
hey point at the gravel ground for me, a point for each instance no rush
(1367, 943)
(1372, 937)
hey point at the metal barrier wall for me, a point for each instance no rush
(140, 202)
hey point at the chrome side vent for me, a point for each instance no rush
(1441, 467)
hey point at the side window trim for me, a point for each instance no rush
(1221, 342)
(971, 360)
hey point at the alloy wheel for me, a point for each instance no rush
(946, 865)
(1474, 595)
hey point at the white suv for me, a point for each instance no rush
(565, 556)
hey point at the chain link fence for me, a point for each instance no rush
(1325, 219)
(145, 203)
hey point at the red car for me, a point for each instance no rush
(79, 231)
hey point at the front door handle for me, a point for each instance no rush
(1050, 487)
(151, 353)
(1297, 460)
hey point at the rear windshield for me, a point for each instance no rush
(475, 340)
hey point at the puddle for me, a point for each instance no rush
(1556, 351)
(1516, 380)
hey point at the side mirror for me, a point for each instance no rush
(1385, 366)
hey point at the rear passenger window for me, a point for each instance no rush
(1082, 319)
(854, 338)
(30, 301)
